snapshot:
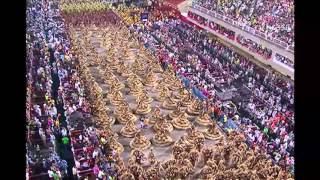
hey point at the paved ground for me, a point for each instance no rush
(162, 153)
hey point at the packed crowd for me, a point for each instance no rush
(267, 114)
(211, 66)
(83, 137)
(55, 94)
(103, 17)
(46, 150)
(247, 43)
(92, 153)
(254, 47)
(284, 60)
(131, 15)
(214, 26)
(64, 96)
(88, 144)
(275, 18)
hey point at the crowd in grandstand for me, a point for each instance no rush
(47, 135)
(247, 43)
(55, 94)
(214, 26)
(275, 18)
(254, 47)
(284, 60)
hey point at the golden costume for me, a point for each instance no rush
(181, 122)
(140, 142)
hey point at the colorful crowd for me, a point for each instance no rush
(62, 140)
(246, 43)
(275, 18)
(48, 150)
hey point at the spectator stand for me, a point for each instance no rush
(256, 56)
(41, 157)
(251, 26)
(78, 145)
(214, 26)
(255, 47)
(247, 43)
(266, 53)
(283, 60)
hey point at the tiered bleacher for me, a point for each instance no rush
(284, 60)
(275, 27)
(273, 18)
(214, 26)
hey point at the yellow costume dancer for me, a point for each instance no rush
(129, 130)
(126, 72)
(162, 123)
(169, 104)
(187, 100)
(116, 98)
(125, 117)
(212, 132)
(144, 97)
(155, 115)
(181, 122)
(114, 144)
(162, 94)
(140, 142)
(204, 119)
(143, 108)
(151, 79)
(162, 138)
(182, 94)
(176, 113)
(194, 108)
(194, 134)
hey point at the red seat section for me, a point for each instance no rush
(174, 2)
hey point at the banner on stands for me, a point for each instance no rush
(144, 16)
(239, 25)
